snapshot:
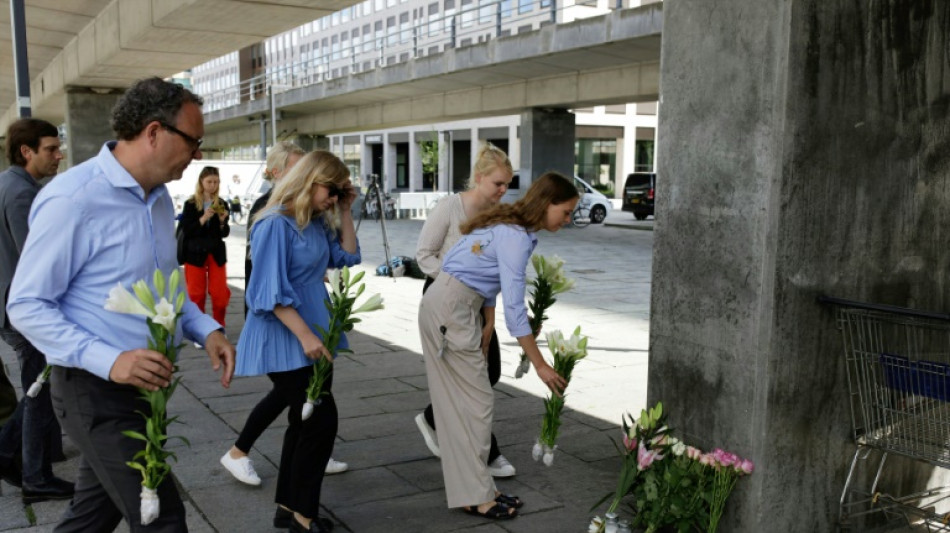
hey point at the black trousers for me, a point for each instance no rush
(494, 374)
(94, 412)
(308, 444)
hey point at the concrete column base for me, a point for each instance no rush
(88, 115)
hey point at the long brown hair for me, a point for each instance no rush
(294, 191)
(529, 211)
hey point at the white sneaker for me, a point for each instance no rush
(432, 440)
(335, 467)
(242, 469)
(198, 346)
(500, 467)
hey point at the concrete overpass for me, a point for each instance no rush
(94, 46)
(612, 58)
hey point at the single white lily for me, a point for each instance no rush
(165, 315)
(122, 301)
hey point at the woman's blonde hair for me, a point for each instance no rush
(277, 157)
(528, 212)
(199, 197)
(294, 192)
(489, 158)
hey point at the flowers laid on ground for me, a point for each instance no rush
(549, 282)
(567, 352)
(37, 385)
(672, 484)
(341, 310)
(162, 319)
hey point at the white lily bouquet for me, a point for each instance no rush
(549, 282)
(162, 319)
(567, 352)
(341, 310)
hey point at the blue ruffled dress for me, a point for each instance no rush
(289, 266)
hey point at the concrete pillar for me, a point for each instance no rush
(389, 164)
(316, 142)
(802, 151)
(415, 163)
(474, 147)
(366, 161)
(88, 112)
(547, 143)
(514, 147)
(445, 163)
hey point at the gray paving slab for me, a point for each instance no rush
(394, 483)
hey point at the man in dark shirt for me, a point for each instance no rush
(34, 154)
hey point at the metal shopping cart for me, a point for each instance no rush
(898, 367)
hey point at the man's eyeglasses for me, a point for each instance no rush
(194, 143)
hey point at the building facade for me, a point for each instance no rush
(611, 140)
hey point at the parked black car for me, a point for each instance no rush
(638, 194)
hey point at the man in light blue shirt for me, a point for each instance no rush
(110, 221)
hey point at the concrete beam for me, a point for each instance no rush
(110, 43)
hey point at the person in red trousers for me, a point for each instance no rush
(204, 224)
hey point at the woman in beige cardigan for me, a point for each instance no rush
(491, 175)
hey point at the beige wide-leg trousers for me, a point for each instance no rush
(462, 398)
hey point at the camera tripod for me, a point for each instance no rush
(373, 206)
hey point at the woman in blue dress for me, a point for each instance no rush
(305, 228)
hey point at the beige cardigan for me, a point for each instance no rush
(440, 233)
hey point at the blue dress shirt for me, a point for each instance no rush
(492, 260)
(91, 228)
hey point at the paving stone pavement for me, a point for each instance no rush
(394, 484)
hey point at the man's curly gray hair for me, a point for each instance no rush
(146, 101)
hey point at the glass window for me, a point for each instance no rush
(524, 6)
(486, 11)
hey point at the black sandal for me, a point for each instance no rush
(499, 511)
(510, 500)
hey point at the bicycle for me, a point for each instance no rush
(580, 218)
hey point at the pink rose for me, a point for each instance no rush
(693, 453)
(725, 458)
(707, 459)
(745, 466)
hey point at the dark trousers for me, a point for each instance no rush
(494, 374)
(263, 415)
(94, 413)
(308, 444)
(32, 428)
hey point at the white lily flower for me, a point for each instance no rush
(548, 458)
(165, 315)
(122, 301)
(372, 304)
(173, 279)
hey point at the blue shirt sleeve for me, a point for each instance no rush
(271, 248)
(514, 251)
(55, 250)
(339, 257)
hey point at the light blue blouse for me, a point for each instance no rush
(492, 260)
(289, 265)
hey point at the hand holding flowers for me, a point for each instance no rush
(549, 282)
(161, 318)
(566, 352)
(341, 311)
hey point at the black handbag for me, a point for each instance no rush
(180, 250)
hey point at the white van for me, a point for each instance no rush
(591, 198)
